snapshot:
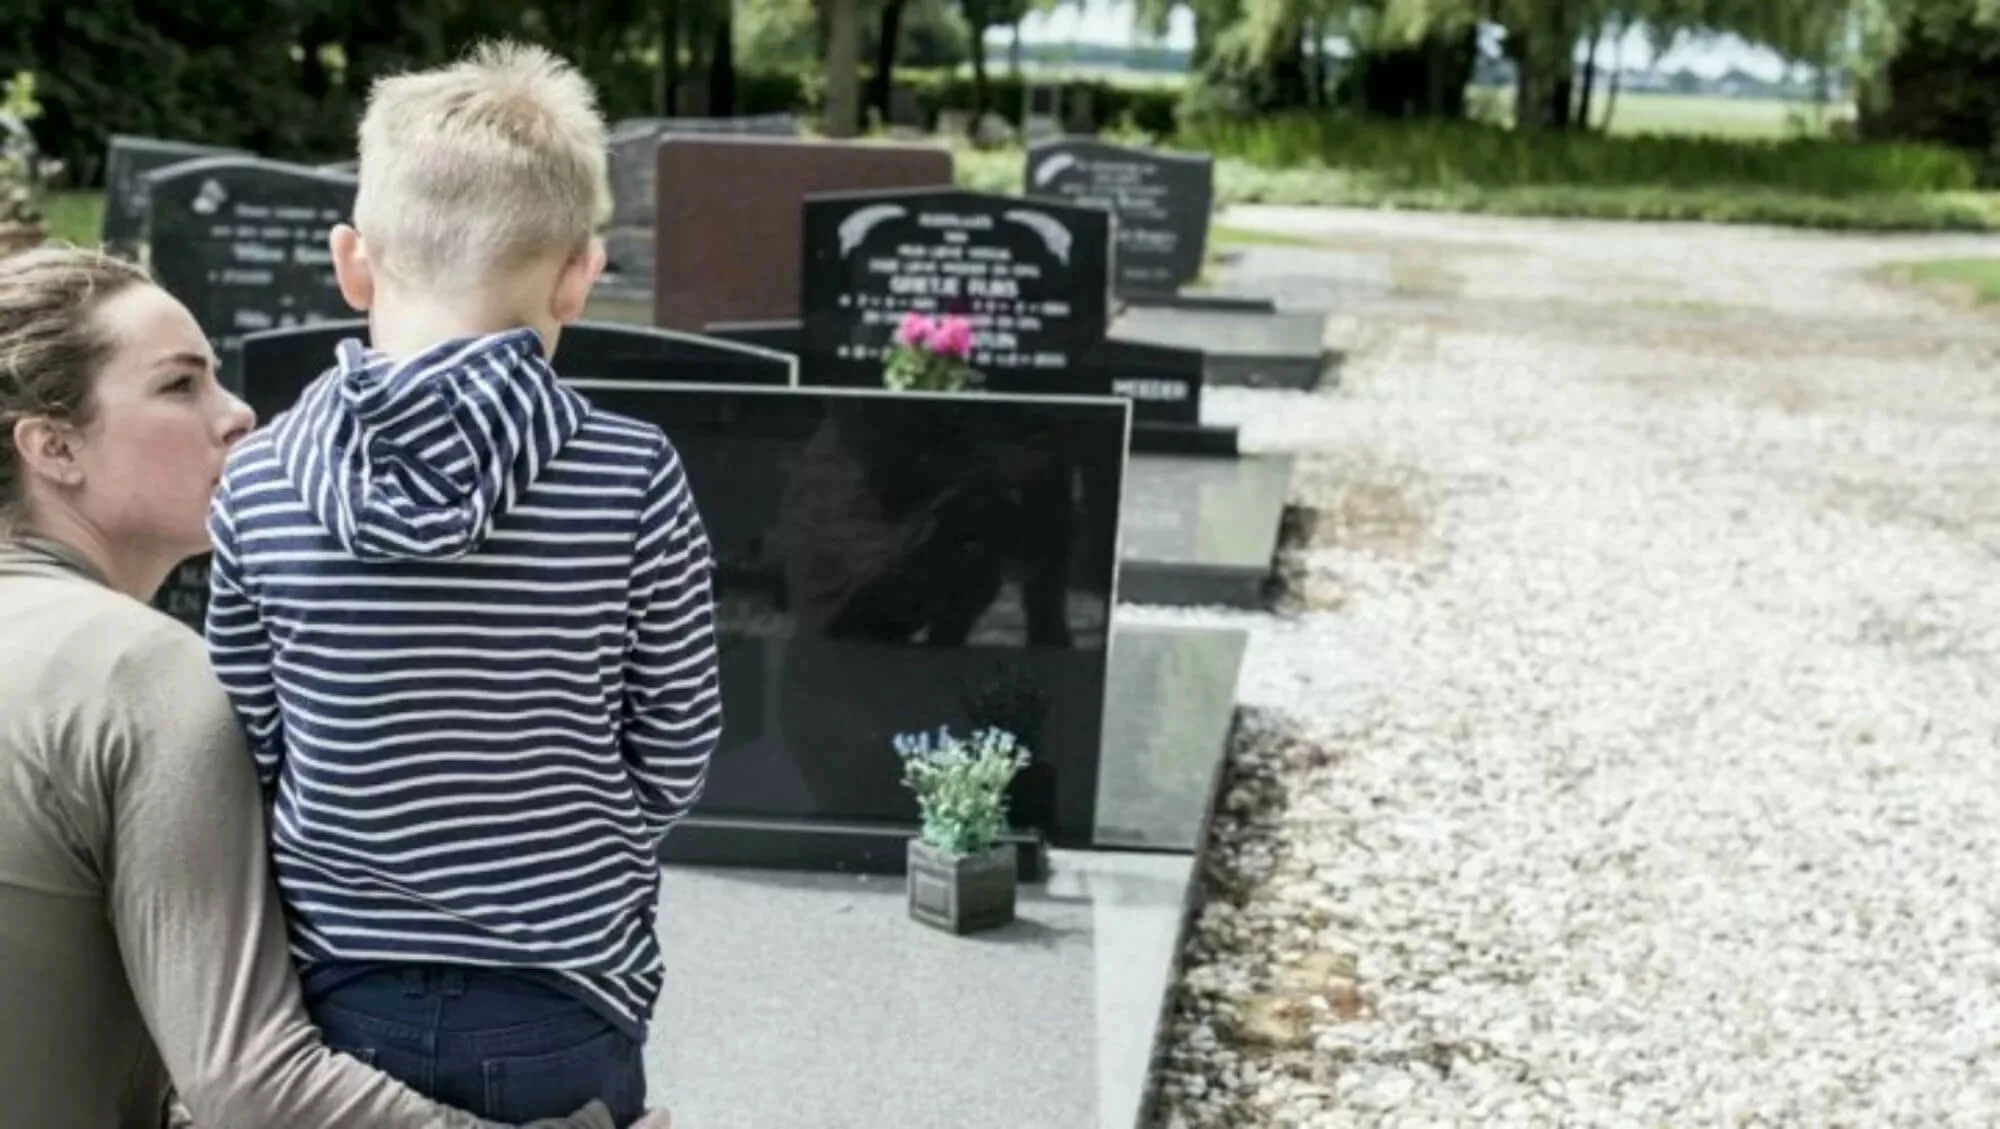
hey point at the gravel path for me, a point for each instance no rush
(1630, 754)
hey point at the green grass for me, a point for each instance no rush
(1223, 235)
(1693, 115)
(1979, 279)
(1455, 155)
(75, 217)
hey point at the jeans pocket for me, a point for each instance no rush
(608, 1067)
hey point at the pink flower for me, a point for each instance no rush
(915, 330)
(952, 337)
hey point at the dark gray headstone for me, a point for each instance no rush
(243, 242)
(1162, 201)
(127, 161)
(1033, 278)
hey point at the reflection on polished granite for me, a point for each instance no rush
(814, 1001)
(1200, 531)
(1171, 698)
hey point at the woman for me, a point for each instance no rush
(140, 938)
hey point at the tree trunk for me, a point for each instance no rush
(843, 50)
(1547, 67)
(1315, 65)
(669, 77)
(888, 29)
(722, 69)
(1617, 76)
(1014, 53)
(1589, 79)
(979, 89)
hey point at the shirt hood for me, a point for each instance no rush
(415, 459)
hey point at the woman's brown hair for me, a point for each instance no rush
(51, 348)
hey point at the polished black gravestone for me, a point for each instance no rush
(1032, 277)
(244, 243)
(888, 563)
(1163, 383)
(127, 160)
(784, 336)
(1270, 350)
(279, 364)
(1162, 201)
(1201, 532)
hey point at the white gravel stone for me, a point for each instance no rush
(1636, 728)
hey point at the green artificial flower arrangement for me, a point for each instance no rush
(961, 786)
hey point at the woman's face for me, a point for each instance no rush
(152, 453)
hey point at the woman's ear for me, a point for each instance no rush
(46, 450)
(579, 274)
(351, 268)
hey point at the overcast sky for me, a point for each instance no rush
(1109, 22)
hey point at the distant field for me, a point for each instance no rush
(1694, 114)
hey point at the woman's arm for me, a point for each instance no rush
(199, 923)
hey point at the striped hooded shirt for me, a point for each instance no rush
(466, 618)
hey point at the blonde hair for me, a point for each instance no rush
(51, 348)
(485, 164)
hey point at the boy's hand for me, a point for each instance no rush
(657, 1119)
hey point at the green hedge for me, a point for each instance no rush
(1457, 155)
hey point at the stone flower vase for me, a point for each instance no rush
(961, 893)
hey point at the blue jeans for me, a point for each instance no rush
(493, 1044)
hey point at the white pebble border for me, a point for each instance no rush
(1633, 757)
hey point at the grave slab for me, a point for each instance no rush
(776, 982)
(1281, 350)
(1200, 531)
(1171, 705)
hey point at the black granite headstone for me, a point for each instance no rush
(1033, 278)
(1163, 382)
(783, 336)
(887, 563)
(243, 242)
(127, 160)
(1162, 201)
(278, 364)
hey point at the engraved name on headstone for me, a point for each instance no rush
(1032, 278)
(243, 242)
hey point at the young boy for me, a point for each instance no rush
(466, 618)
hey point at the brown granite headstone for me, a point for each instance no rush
(727, 218)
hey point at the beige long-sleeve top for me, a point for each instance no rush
(140, 935)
